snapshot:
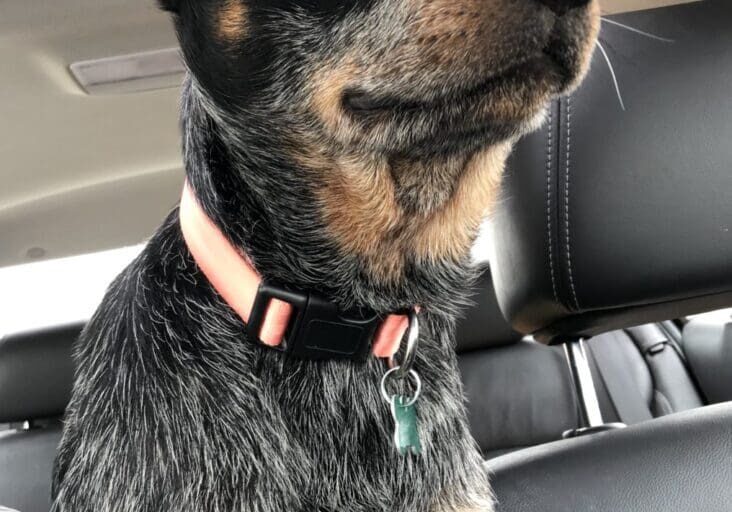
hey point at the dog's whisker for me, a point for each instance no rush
(612, 73)
(637, 31)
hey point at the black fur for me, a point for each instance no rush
(169, 5)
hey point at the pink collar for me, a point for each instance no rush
(237, 281)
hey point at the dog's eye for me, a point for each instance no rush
(361, 101)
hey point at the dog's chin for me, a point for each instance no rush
(503, 107)
(362, 103)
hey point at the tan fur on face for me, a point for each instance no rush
(233, 21)
(327, 96)
(364, 176)
(424, 185)
(474, 30)
(362, 213)
(590, 41)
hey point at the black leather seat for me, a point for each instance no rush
(707, 343)
(520, 393)
(640, 373)
(628, 229)
(680, 463)
(36, 375)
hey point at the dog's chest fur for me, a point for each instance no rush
(174, 410)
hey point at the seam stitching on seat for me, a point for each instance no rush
(549, 155)
(566, 202)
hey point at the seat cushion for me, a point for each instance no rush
(677, 463)
(26, 465)
(36, 373)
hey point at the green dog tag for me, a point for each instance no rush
(406, 434)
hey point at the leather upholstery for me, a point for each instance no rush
(519, 392)
(36, 376)
(677, 463)
(708, 347)
(482, 324)
(674, 390)
(518, 395)
(627, 224)
(635, 386)
(26, 465)
(36, 373)
(621, 375)
(614, 218)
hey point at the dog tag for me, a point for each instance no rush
(406, 432)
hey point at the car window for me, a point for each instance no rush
(57, 291)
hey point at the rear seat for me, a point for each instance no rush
(35, 383)
(707, 343)
(640, 374)
(520, 393)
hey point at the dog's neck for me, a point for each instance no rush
(266, 207)
(268, 318)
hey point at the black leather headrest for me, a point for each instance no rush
(612, 218)
(36, 373)
(483, 325)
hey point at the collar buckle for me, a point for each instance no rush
(318, 329)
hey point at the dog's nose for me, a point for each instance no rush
(560, 7)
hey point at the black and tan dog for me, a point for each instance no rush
(349, 149)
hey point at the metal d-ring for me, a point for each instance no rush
(417, 383)
(403, 368)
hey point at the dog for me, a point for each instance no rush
(350, 149)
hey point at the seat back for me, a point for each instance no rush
(707, 342)
(640, 375)
(36, 374)
(519, 392)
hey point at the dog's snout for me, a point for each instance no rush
(560, 7)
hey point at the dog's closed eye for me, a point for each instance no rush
(364, 102)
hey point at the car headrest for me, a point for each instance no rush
(482, 325)
(36, 373)
(610, 217)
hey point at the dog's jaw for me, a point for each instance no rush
(364, 214)
(369, 206)
(289, 219)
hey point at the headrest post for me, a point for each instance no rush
(579, 367)
(575, 350)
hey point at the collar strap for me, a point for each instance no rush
(300, 323)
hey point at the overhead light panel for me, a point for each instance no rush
(136, 72)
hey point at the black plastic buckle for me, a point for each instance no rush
(318, 329)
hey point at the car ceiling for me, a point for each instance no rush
(85, 173)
